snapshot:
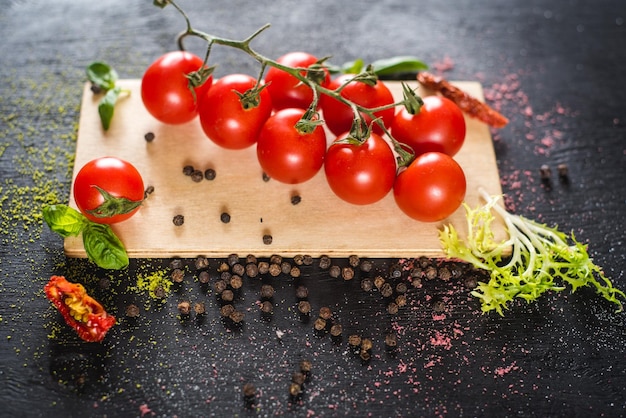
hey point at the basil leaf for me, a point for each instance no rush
(103, 247)
(396, 65)
(102, 75)
(64, 220)
(106, 107)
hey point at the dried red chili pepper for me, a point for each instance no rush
(80, 311)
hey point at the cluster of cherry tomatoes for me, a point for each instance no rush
(429, 189)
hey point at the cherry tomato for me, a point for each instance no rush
(439, 126)
(431, 188)
(223, 117)
(117, 177)
(360, 173)
(286, 90)
(339, 116)
(164, 87)
(286, 154)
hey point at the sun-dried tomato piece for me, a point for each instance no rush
(469, 104)
(80, 311)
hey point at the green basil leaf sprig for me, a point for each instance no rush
(103, 78)
(102, 246)
(382, 67)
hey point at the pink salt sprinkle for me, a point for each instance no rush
(143, 408)
(501, 371)
(441, 340)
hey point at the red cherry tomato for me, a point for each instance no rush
(164, 88)
(223, 117)
(339, 116)
(286, 90)
(431, 188)
(117, 177)
(439, 126)
(286, 154)
(360, 173)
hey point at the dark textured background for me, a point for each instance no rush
(555, 68)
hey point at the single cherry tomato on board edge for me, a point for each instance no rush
(287, 155)
(165, 88)
(431, 188)
(108, 190)
(286, 90)
(339, 116)
(228, 121)
(438, 127)
(360, 173)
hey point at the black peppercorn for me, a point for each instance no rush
(302, 292)
(325, 262)
(177, 275)
(197, 176)
(132, 311)
(225, 217)
(178, 220)
(304, 307)
(335, 271)
(267, 239)
(295, 199)
(267, 291)
(188, 170)
(149, 136)
(209, 174)
(347, 273)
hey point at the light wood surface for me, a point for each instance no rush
(320, 224)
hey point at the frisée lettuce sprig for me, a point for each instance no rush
(534, 259)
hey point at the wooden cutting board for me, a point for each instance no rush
(320, 224)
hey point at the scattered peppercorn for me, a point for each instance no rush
(266, 178)
(294, 272)
(325, 262)
(298, 259)
(386, 290)
(285, 267)
(391, 341)
(267, 291)
(295, 199)
(132, 311)
(302, 292)
(249, 394)
(334, 271)
(354, 260)
(325, 313)
(392, 308)
(354, 341)
(209, 174)
(367, 284)
(149, 136)
(199, 308)
(184, 308)
(264, 267)
(197, 176)
(431, 272)
(306, 367)
(379, 281)
(299, 378)
(237, 317)
(227, 295)
(178, 220)
(295, 390)
(267, 307)
(204, 277)
(177, 275)
(227, 310)
(439, 305)
(176, 263)
(201, 262)
(304, 307)
(219, 286)
(236, 282)
(238, 269)
(347, 273)
(188, 170)
(401, 300)
(445, 274)
(267, 239)
(366, 266)
(225, 217)
(336, 330)
(252, 270)
(395, 272)
(401, 288)
(320, 324)
(275, 270)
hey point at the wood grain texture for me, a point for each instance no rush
(320, 224)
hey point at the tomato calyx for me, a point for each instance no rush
(251, 98)
(412, 102)
(309, 121)
(113, 205)
(197, 78)
(80, 311)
